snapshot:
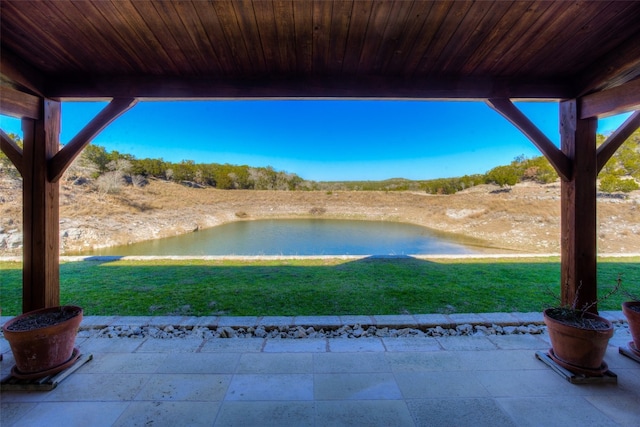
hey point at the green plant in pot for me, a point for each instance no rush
(42, 341)
(579, 338)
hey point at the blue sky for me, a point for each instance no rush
(323, 140)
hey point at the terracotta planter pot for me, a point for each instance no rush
(633, 318)
(45, 350)
(580, 350)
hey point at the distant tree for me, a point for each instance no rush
(96, 157)
(503, 175)
(538, 169)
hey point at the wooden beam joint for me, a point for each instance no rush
(557, 158)
(15, 103)
(618, 100)
(63, 159)
(616, 139)
(12, 151)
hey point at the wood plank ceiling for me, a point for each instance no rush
(409, 49)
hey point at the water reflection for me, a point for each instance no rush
(300, 237)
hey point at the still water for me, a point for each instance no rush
(299, 237)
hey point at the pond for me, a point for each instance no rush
(300, 237)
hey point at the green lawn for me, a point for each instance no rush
(315, 286)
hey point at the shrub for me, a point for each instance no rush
(503, 175)
(612, 184)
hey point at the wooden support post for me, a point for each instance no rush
(578, 209)
(41, 276)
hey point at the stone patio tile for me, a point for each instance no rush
(11, 413)
(203, 321)
(343, 345)
(628, 385)
(382, 413)
(499, 318)
(84, 334)
(424, 361)
(275, 321)
(318, 322)
(185, 387)
(543, 382)
(412, 344)
(238, 321)
(517, 342)
(6, 364)
(132, 320)
(267, 414)
(498, 360)
(95, 414)
(358, 386)
(162, 321)
(200, 363)
(357, 320)
(169, 414)
(466, 343)
(617, 361)
(350, 362)
(265, 387)
(399, 321)
(23, 397)
(468, 412)
(123, 363)
(97, 321)
(439, 384)
(432, 320)
(621, 338)
(97, 387)
(109, 345)
(625, 410)
(566, 411)
(232, 345)
(308, 345)
(275, 363)
(170, 345)
(463, 318)
(613, 316)
(527, 318)
(4, 345)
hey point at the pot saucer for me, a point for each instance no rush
(579, 369)
(33, 375)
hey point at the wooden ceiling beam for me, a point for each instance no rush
(364, 87)
(620, 66)
(15, 103)
(557, 158)
(620, 99)
(63, 158)
(18, 73)
(616, 139)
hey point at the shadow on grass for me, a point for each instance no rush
(287, 287)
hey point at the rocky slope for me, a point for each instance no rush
(523, 219)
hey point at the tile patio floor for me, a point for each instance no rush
(449, 381)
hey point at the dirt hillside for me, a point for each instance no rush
(523, 219)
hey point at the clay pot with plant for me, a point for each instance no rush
(579, 338)
(631, 310)
(42, 341)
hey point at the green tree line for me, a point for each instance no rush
(222, 176)
(620, 174)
